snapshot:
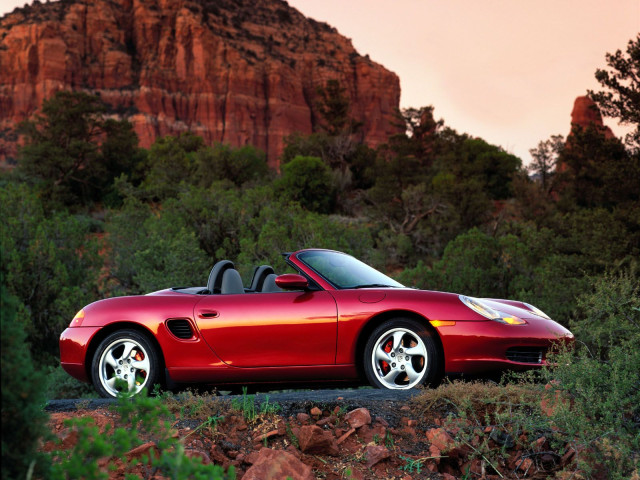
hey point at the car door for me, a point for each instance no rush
(270, 329)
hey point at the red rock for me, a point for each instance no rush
(329, 421)
(540, 443)
(382, 421)
(315, 412)
(526, 465)
(242, 72)
(344, 436)
(586, 113)
(435, 453)
(252, 457)
(441, 439)
(193, 453)
(140, 450)
(376, 454)
(270, 434)
(313, 439)
(358, 417)
(302, 417)
(277, 465)
(474, 467)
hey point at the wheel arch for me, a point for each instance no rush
(376, 320)
(114, 327)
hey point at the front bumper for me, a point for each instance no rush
(74, 343)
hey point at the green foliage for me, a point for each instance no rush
(141, 417)
(600, 172)
(545, 160)
(307, 180)
(621, 99)
(73, 152)
(333, 106)
(170, 163)
(23, 397)
(151, 251)
(239, 165)
(61, 385)
(610, 313)
(49, 263)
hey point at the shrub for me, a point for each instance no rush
(140, 417)
(307, 180)
(23, 417)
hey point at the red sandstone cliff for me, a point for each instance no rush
(234, 71)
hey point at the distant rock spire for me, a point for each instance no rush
(586, 113)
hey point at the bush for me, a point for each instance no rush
(23, 398)
(593, 393)
(49, 263)
(307, 180)
(150, 251)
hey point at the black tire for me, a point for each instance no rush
(127, 355)
(386, 363)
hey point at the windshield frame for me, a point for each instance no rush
(369, 277)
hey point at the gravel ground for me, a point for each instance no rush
(384, 403)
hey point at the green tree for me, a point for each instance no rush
(307, 180)
(621, 99)
(333, 105)
(72, 152)
(545, 160)
(151, 251)
(238, 165)
(170, 165)
(598, 171)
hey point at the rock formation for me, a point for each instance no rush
(586, 113)
(233, 71)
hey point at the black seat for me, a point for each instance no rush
(259, 275)
(231, 282)
(214, 284)
(269, 285)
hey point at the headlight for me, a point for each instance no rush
(486, 311)
(537, 311)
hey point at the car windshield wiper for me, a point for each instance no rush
(372, 285)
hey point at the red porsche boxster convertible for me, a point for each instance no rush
(336, 319)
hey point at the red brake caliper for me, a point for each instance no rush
(139, 358)
(385, 365)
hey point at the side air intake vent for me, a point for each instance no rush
(525, 354)
(181, 328)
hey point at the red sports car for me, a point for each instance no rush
(336, 319)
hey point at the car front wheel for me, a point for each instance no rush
(401, 354)
(125, 361)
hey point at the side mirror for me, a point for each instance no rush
(292, 281)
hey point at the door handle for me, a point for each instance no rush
(208, 314)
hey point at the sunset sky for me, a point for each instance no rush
(504, 70)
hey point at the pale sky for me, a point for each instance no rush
(507, 71)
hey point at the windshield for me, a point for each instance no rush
(344, 271)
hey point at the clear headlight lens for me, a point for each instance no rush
(537, 311)
(486, 311)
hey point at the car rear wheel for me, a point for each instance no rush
(125, 361)
(401, 354)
